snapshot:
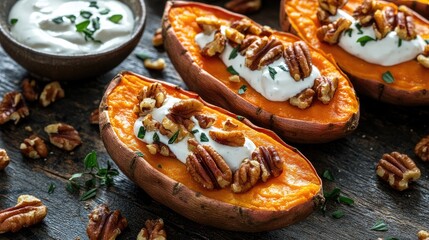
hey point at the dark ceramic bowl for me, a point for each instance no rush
(69, 67)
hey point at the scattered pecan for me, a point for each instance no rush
(170, 128)
(63, 136)
(364, 13)
(4, 159)
(331, 6)
(104, 224)
(405, 27)
(34, 147)
(215, 46)
(270, 162)
(187, 108)
(157, 39)
(228, 125)
(234, 35)
(149, 123)
(298, 60)
(204, 120)
(158, 64)
(13, 107)
(153, 230)
(422, 149)
(262, 52)
(331, 33)
(244, 25)
(160, 148)
(398, 170)
(155, 91)
(325, 88)
(384, 22)
(51, 93)
(233, 138)
(29, 90)
(243, 6)
(94, 117)
(248, 40)
(28, 211)
(303, 99)
(207, 167)
(246, 176)
(423, 235)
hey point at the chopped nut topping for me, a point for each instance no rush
(105, 224)
(234, 35)
(149, 123)
(423, 235)
(153, 230)
(262, 52)
(243, 6)
(405, 27)
(27, 212)
(4, 159)
(246, 176)
(384, 21)
(233, 138)
(298, 60)
(51, 93)
(303, 100)
(187, 108)
(241, 25)
(331, 6)
(205, 121)
(29, 90)
(214, 47)
(234, 78)
(170, 128)
(94, 117)
(160, 148)
(270, 162)
(325, 88)
(398, 170)
(34, 147)
(63, 136)
(13, 108)
(422, 149)
(155, 91)
(157, 40)
(158, 64)
(228, 125)
(330, 33)
(209, 24)
(323, 16)
(207, 167)
(364, 13)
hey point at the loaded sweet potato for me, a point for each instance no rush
(382, 47)
(202, 161)
(271, 77)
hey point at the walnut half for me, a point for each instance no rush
(34, 147)
(63, 136)
(153, 230)
(422, 149)
(104, 224)
(13, 108)
(4, 159)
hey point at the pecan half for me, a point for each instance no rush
(263, 51)
(51, 93)
(233, 138)
(157, 39)
(303, 99)
(28, 211)
(331, 6)
(209, 24)
(153, 230)
(207, 167)
(405, 28)
(104, 224)
(246, 176)
(398, 170)
(331, 33)
(234, 35)
(228, 125)
(325, 88)
(63, 136)
(34, 147)
(187, 108)
(422, 149)
(270, 162)
(214, 47)
(384, 22)
(298, 60)
(204, 120)
(13, 107)
(29, 90)
(4, 159)
(364, 13)
(243, 6)
(94, 117)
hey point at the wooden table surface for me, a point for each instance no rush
(383, 128)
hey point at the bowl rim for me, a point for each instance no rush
(140, 22)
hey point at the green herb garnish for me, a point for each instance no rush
(51, 188)
(93, 4)
(144, 55)
(81, 27)
(174, 137)
(141, 133)
(348, 32)
(379, 225)
(388, 77)
(204, 138)
(240, 118)
(88, 194)
(273, 72)
(155, 137)
(13, 21)
(194, 131)
(58, 20)
(283, 68)
(346, 200)
(338, 214)
(359, 28)
(85, 14)
(328, 175)
(104, 11)
(96, 23)
(234, 53)
(231, 70)
(72, 18)
(115, 18)
(140, 154)
(242, 89)
(400, 42)
(364, 39)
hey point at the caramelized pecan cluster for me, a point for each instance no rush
(260, 48)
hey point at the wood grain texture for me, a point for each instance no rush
(382, 128)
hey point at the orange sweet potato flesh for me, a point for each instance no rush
(410, 86)
(274, 204)
(209, 78)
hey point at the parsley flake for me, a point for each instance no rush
(89, 194)
(232, 70)
(204, 138)
(85, 14)
(338, 214)
(282, 67)
(105, 11)
(328, 175)
(115, 18)
(155, 137)
(242, 89)
(359, 28)
(93, 4)
(51, 188)
(58, 20)
(400, 42)
(346, 200)
(388, 77)
(144, 55)
(234, 53)
(348, 32)
(81, 27)
(72, 18)
(174, 137)
(13, 21)
(141, 133)
(273, 72)
(140, 154)
(194, 131)
(364, 39)
(379, 225)
(240, 118)
(96, 23)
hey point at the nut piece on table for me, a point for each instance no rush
(331, 6)
(331, 33)
(104, 224)
(422, 148)
(233, 138)
(303, 100)
(63, 136)
(270, 162)
(28, 211)
(13, 107)
(154, 230)
(94, 117)
(4, 159)
(34, 147)
(157, 40)
(398, 170)
(298, 60)
(423, 235)
(51, 93)
(158, 64)
(243, 6)
(29, 90)
(246, 176)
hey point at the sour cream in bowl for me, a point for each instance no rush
(70, 39)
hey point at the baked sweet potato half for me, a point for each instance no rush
(266, 81)
(248, 198)
(420, 6)
(400, 33)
